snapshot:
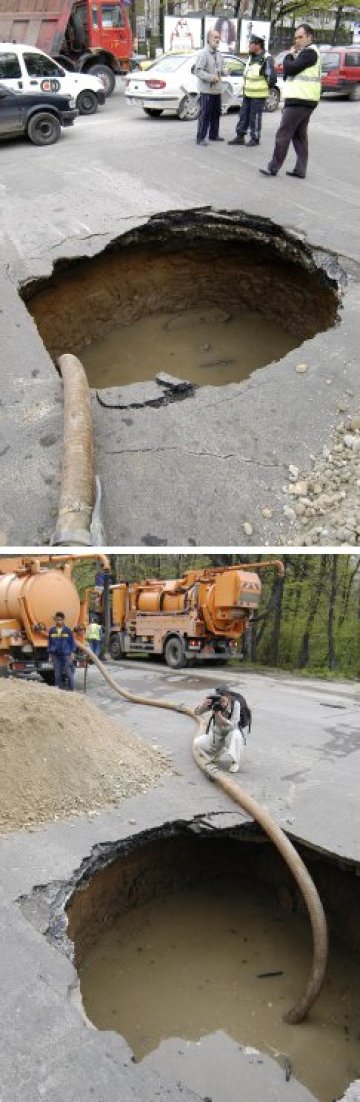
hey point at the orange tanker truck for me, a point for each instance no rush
(31, 591)
(202, 615)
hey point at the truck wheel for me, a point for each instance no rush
(44, 128)
(107, 77)
(354, 94)
(174, 654)
(48, 676)
(87, 102)
(115, 649)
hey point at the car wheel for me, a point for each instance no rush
(107, 77)
(44, 128)
(174, 654)
(87, 102)
(354, 93)
(273, 100)
(189, 107)
(153, 112)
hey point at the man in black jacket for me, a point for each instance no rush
(302, 76)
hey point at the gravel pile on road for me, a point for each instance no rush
(323, 506)
(61, 756)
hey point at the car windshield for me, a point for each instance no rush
(169, 64)
(329, 61)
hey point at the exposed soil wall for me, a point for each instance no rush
(172, 265)
(149, 867)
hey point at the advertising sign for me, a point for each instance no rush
(181, 33)
(228, 31)
(253, 26)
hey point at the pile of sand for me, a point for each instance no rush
(61, 756)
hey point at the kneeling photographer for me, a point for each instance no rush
(224, 730)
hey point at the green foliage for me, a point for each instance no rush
(83, 574)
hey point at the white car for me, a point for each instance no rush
(170, 84)
(27, 69)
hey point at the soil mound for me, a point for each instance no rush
(61, 756)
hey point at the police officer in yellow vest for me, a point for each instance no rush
(94, 636)
(302, 75)
(259, 76)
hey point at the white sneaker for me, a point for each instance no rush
(234, 768)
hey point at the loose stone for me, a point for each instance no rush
(300, 488)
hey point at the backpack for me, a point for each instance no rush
(245, 711)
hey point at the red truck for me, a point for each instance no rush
(88, 36)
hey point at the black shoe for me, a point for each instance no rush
(253, 141)
(237, 141)
(300, 175)
(202, 142)
(218, 139)
(267, 172)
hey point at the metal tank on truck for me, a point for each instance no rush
(204, 614)
(31, 591)
(84, 36)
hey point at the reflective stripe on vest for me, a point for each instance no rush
(255, 85)
(306, 85)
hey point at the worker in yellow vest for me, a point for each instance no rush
(302, 75)
(259, 76)
(94, 636)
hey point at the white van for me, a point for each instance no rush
(27, 69)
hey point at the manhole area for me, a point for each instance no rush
(208, 300)
(184, 936)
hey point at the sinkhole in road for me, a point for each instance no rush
(187, 930)
(204, 296)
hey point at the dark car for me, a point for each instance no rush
(35, 114)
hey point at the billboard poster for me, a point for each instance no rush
(181, 33)
(253, 26)
(227, 29)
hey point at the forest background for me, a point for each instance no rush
(312, 623)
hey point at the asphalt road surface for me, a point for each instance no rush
(119, 162)
(303, 755)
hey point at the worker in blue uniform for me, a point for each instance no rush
(61, 649)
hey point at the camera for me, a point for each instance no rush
(215, 703)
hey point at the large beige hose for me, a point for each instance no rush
(77, 479)
(310, 895)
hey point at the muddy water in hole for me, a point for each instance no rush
(205, 346)
(190, 964)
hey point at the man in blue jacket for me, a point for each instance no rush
(61, 652)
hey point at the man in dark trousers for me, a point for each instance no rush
(61, 652)
(302, 75)
(209, 67)
(259, 76)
